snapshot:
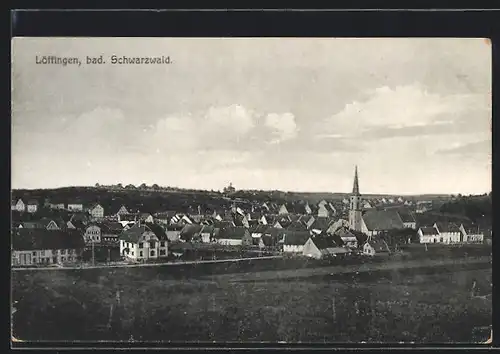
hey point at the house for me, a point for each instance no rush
(326, 210)
(75, 224)
(190, 233)
(423, 206)
(408, 219)
(448, 232)
(283, 210)
(296, 226)
(32, 206)
(181, 219)
(141, 243)
(122, 210)
(256, 232)
(293, 241)
(428, 234)
(234, 236)
(376, 247)
(164, 217)
(375, 221)
(207, 233)
(127, 218)
(92, 234)
(240, 220)
(96, 211)
(471, 234)
(75, 207)
(44, 223)
(146, 217)
(320, 247)
(43, 247)
(174, 232)
(334, 226)
(110, 232)
(367, 205)
(319, 225)
(307, 220)
(19, 205)
(348, 238)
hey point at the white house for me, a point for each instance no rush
(75, 207)
(319, 247)
(448, 233)
(234, 236)
(92, 234)
(293, 241)
(97, 211)
(471, 235)
(141, 244)
(19, 206)
(122, 210)
(283, 210)
(376, 248)
(32, 206)
(428, 235)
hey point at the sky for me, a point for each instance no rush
(293, 114)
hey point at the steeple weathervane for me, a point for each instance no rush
(355, 188)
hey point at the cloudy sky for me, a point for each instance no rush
(288, 114)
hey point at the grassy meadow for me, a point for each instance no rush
(424, 308)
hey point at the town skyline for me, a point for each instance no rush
(264, 114)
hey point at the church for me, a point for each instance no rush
(373, 222)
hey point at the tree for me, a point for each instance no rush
(143, 186)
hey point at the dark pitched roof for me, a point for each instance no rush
(296, 226)
(259, 229)
(232, 233)
(296, 237)
(379, 245)
(175, 227)
(110, 227)
(40, 239)
(134, 233)
(321, 223)
(158, 231)
(429, 231)
(447, 227)
(189, 231)
(323, 242)
(207, 229)
(406, 215)
(382, 220)
(32, 202)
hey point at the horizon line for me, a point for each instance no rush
(247, 190)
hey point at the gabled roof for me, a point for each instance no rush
(382, 220)
(158, 231)
(321, 223)
(323, 242)
(447, 227)
(406, 215)
(296, 226)
(259, 229)
(111, 227)
(175, 227)
(296, 237)
(41, 239)
(134, 234)
(32, 202)
(190, 231)
(429, 231)
(379, 245)
(207, 229)
(232, 233)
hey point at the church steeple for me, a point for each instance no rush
(355, 215)
(355, 188)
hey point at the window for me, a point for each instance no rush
(140, 253)
(141, 245)
(34, 260)
(152, 244)
(152, 253)
(162, 243)
(162, 252)
(132, 253)
(63, 259)
(34, 253)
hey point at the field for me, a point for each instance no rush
(419, 306)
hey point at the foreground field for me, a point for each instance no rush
(395, 307)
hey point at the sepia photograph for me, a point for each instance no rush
(251, 190)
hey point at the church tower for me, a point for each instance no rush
(355, 205)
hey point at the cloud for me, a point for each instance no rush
(283, 125)
(476, 148)
(407, 110)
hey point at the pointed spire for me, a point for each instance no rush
(355, 188)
